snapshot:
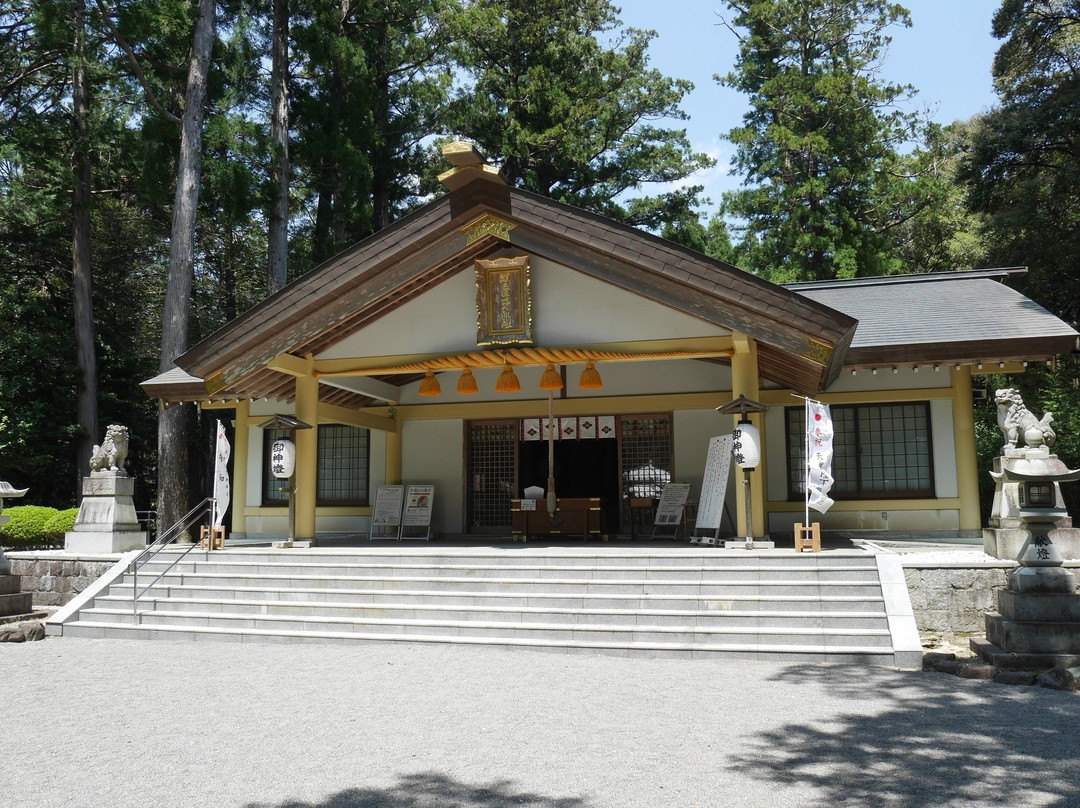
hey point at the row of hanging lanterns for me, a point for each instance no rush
(508, 382)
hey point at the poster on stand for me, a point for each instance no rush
(416, 518)
(670, 509)
(386, 515)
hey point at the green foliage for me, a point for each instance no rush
(821, 146)
(563, 95)
(1023, 165)
(28, 527)
(370, 84)
(60, 523)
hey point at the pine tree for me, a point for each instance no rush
(562, 96)
(821, 145)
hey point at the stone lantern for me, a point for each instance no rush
(12, 601)
(1037, 624)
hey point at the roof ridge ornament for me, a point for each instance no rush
(469, 164)
(487, 225)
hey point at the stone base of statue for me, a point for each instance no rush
(106, 522)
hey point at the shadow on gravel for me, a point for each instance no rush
(434, 790)
(938, 741)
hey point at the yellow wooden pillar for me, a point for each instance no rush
(393, 455)
(240, 469)
(307, 446)
(745, 381)
(967, 472)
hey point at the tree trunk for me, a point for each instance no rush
(172, 435)
(278, 236)
(86, 356)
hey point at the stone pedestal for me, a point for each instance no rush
(106, 522)
(1037, 624)
(12, 600)
(1034, 630)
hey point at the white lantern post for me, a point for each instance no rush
(283, 462)
(747, 449)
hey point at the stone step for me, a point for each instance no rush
(592, 614)
(16, 603)
(717, 587)
(556, 632)
(793, 653)
(10, 584)
(701, 602)
(848, 572)
(514, 555)
(752, 599)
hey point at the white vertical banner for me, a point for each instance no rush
(222, 451)
(819, 456)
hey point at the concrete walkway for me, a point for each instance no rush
(116, 723)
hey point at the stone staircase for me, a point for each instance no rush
(690, 602)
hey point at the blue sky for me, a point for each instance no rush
(946, 54)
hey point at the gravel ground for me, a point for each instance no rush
(127, 723)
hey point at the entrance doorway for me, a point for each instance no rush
(504, 457)
(583, 468)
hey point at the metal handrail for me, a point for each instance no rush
(190, 519)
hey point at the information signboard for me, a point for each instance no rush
(669, 510)
(386, 515)
(714, 487)
(416, 518)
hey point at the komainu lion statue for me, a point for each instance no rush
(1019, 426)
(112, 452)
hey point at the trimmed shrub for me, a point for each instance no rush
(60, 524)
(26, 526)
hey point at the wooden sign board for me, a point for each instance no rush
(416, 518)
(714, 488)
(669, 510)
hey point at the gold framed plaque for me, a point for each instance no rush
(503, 301)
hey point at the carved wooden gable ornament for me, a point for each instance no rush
(503, 301)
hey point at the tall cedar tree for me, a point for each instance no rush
(172, 423)
(1024, 163)
(819, 146)
(1023, 171)
(564, 99)
(50, 213)
(368, 89)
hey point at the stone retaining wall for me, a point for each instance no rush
(55, 577)
(952, 600)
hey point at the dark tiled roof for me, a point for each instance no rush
(974, 313)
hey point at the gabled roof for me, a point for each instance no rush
(942, 317)
(801, 342)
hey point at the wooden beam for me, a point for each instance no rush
(365, 386)
(333, 414)
(289, 364)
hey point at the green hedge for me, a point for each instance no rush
(35, 526)
(60, 524)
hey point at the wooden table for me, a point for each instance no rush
(574, 516)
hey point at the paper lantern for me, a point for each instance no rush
(746, 446)
(283, 458)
